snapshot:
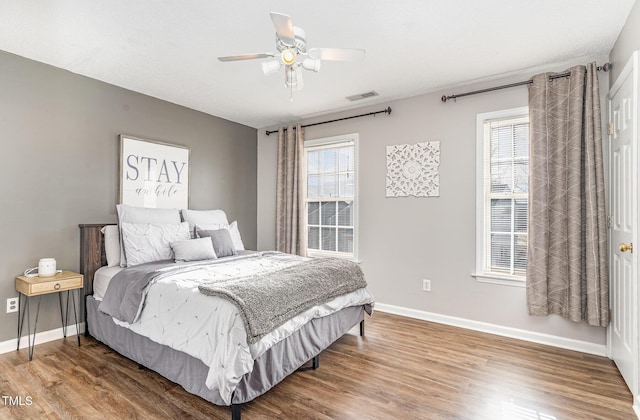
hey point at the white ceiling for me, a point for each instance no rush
(168, 49)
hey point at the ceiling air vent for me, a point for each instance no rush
(363, 96)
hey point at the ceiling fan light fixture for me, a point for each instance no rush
(291, 77)
(311, 64)
(271, 66)
(288, 57)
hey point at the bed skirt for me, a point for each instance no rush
(273, 366)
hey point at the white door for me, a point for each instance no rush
(623, 198)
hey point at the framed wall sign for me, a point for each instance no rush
(153, 174)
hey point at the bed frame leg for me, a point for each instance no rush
(236, 411)
(362, 328)
(315, 362)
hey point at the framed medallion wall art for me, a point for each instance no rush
(412, 170)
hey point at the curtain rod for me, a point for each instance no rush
(386, 111)
(445, 98)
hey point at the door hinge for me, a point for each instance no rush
(609, 222)
(610, 128)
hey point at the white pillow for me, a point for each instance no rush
(235, 235)
(132, 214)
(111, 244)
(203, 217)
(148, 242)
(233, 231)
(193, 250)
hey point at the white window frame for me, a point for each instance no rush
(483, 273)
(329, 142)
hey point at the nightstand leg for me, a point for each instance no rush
(21, 311)
(32, 344)
(62, 318)
(28, 307)
(75, 314)
(66, 312)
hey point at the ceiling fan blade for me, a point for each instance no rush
(284, 28)
(245, 57)
(337, 54)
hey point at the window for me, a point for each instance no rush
(330, 196)
(502, 196)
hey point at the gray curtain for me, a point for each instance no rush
(567, 253)
(289, 200)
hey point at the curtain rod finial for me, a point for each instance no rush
(444, 98)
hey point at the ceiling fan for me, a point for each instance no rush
(292, 50)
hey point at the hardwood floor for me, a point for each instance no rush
(402, 369)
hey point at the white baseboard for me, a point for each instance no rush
(636, 407)
(41, 337)
(535, 337)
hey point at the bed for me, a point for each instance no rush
(271, 365)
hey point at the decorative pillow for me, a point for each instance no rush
(112, 244)
(193, 250)
(235, 235)
(148, 242)
(233, 230)
(203, 217)
(221, 239)
(132, 214)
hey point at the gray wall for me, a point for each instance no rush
(59, 135)
(628, 41)
(403, 240)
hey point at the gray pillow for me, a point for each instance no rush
(193, 250)
(222, 242)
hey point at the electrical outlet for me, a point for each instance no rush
(426, 285)
(12, 305)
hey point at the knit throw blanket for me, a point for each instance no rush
(268, 300)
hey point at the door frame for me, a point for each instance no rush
(631, 67)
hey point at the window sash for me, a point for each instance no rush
(342, 241)
(344, 173)
(503, 241)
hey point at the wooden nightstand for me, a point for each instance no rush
(28, 287)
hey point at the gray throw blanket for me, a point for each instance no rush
(268, 300)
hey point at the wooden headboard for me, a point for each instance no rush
(92, 254)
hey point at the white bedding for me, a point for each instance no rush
(101, 280)
(211, 329)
